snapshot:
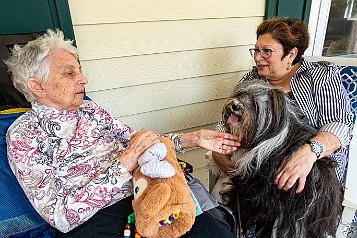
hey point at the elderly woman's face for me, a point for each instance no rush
(65, 88)
(273, 67)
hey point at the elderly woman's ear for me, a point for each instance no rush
(36, 87)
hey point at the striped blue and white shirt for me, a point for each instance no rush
(318, 90)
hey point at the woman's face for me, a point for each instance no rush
(65, 89)
(274, 67)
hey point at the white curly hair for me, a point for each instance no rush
(32, 60)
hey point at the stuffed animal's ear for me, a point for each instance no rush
(155, 199)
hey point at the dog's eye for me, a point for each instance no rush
(136, 190)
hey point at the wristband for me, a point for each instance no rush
(176, 139)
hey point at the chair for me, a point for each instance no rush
(349, 77)
(17, 216)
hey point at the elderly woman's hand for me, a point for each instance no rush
(298, 168)
(220, 142)
(139, 143)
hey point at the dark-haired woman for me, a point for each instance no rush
(317, 89)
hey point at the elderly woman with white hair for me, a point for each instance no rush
(71, 157)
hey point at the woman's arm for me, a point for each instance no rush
(333, 117)
(220, 142)
(301, 162)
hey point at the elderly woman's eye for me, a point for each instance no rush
(70, 73)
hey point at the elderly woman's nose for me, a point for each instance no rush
(83, 79)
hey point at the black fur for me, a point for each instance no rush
(264, 208)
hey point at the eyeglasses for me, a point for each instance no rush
(264, 53)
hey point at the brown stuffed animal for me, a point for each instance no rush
(162, 202)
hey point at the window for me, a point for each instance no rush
(334, 21)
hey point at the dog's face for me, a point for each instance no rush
(255, 112)
(266, 122)
(237, 116)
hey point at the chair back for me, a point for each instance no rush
(349, 80)
(345, 229)
(17, 216)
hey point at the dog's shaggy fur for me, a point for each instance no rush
(271, 128)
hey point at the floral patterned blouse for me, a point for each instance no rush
(66, 161)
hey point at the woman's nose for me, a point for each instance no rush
(83, 79)
(257, 57)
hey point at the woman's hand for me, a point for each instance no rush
(224, 162)
(220, 142)
(139, 143)
(298, 168)
(302, 160)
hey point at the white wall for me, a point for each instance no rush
(165, 65)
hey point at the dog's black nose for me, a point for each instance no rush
(235, 107)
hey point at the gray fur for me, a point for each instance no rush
(271, 128)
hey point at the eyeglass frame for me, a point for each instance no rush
(254, 51)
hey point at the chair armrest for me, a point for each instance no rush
(350, 195)
(230, 216)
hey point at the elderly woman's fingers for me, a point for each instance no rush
(209, 134)
(145, 136)
(228, 136)
(225, 149)
(141, 141)
(230, 143)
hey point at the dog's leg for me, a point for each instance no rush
(217, 189)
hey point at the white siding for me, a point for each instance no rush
(162, 65)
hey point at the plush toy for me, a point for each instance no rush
(162, 202)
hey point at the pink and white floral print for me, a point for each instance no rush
(67, 161)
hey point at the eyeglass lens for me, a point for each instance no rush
(265, 53)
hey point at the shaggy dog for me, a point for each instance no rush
(270, 128)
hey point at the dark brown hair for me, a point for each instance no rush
(288, 32)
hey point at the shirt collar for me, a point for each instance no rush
(50, 113)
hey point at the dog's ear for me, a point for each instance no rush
(279, 116)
